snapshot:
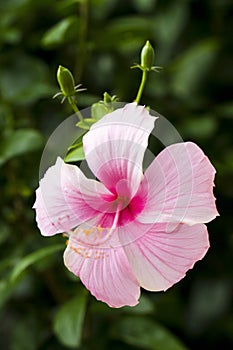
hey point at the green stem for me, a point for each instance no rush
(75, 108)
(142, 85)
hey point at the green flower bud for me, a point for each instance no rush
(147, 56)
(66, 81)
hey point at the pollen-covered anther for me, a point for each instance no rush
(100, 254)
(81, 251)
(86, 254)
(99, 228)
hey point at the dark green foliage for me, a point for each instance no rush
(98, 40)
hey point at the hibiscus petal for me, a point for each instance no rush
(160, 259)
(66, 198)
(179, 187)
(104, 271)
(114, 147)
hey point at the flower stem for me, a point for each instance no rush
(142, 85)
(75, 108)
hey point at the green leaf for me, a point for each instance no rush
(145, 306)
(76, 153)
(203, 126)
(62, 5)
(24, 80)
(59, 32)
(145, 333)
(6, 289)
(144, 6)
(89, 121)
(29, 333)
(210, 299)
(4, 232)
(69, 320)
(191, 68)
(225, 110)
(33, 258)
(125, 34)
(133, 24)
(78, 141)
(168, 24)
(98, 110)
(20, 142)
(86, 123)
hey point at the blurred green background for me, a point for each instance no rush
(42, 306)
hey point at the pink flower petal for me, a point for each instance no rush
(179, 187)
(160, 259)
(66, 198)
(115, 146)
(103, 269)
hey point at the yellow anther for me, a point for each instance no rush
(76, 250)
(87, 231)
(99, 228)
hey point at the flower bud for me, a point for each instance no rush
(147, 56)
(66, 81)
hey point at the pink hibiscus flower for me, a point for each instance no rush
(130, 228)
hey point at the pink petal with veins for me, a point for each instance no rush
(104, 270)
(66, 198)
(114, 147)
(179, 187)
(160, 259)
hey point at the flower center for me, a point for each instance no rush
(122, 211)
(123, 207)
(128, 204)
(131, 210)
